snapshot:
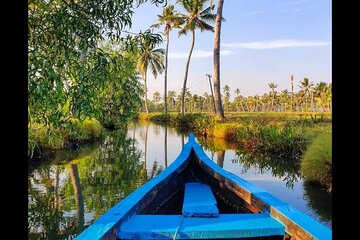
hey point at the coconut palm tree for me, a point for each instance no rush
(148, 55)
(226, 90)
(219, 18)
(171, 19)
(156, 97)
(272, 86)
(197, 18)
(171, 98)
(307, 87)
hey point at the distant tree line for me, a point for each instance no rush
(310, 98)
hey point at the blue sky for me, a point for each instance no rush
(262, 41)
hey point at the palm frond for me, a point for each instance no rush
(208, 17)
(203, 26)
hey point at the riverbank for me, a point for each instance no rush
(284, 137)
(42, 139)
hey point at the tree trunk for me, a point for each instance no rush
(165, 146)
(75, 180)
(165, 74)
(146, 106)
(306, 102)
(212, 92)
(217, 89)
(312, 102)
(186, 73)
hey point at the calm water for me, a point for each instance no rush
(73, 188)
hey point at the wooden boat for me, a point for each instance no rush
(194, 198)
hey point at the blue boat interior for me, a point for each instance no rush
(194, 205)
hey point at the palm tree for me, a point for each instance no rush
(307, 86)
(226, 90)
(156, 97)
(171, 19)
(149, 56)
(219, 18)
(272, 86)
(171, 98)
(197, 18)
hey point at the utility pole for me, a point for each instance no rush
(212, 93)
(292, 92)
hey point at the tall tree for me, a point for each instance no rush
(148, 55)
(217, 88)
(227, 96)
(197, 18)
(171, 19)
(307, 87)
(156, 97)
(272, 86)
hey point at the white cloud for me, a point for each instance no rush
(282, 43)
(252, 13)
(198, 54)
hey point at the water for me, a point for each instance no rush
(73, 188)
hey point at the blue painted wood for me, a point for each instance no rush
(199, 201)
(308, 224)
(224, 226)
(105, 226)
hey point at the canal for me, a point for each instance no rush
(71, 189)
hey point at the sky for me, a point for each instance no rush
(262, 41)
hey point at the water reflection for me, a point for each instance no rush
(73, 188)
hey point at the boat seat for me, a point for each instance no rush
(226, 226)
(199, 201)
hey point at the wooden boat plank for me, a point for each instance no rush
(199, 201)
(225, 226)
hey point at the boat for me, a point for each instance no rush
(194, 198)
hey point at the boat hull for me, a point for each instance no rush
(233, 194)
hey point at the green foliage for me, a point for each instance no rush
(316, 164)
(284, 142)
(83, 131)
(162, 118)
(120, 99)
(66, 66)
(42, 137)
(228, 131)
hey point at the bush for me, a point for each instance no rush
(316, 165)
(81, 131)
(40, 137)
(226, 131)
(279, 142)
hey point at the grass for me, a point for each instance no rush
(316, 165)
(42, 138)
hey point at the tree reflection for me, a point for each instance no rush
(220, 158)
(287, 169)
(165, 145)
(319, 199)
(64, 198)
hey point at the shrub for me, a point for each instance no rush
(226, 131)
(316, 165)
(86, 130)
